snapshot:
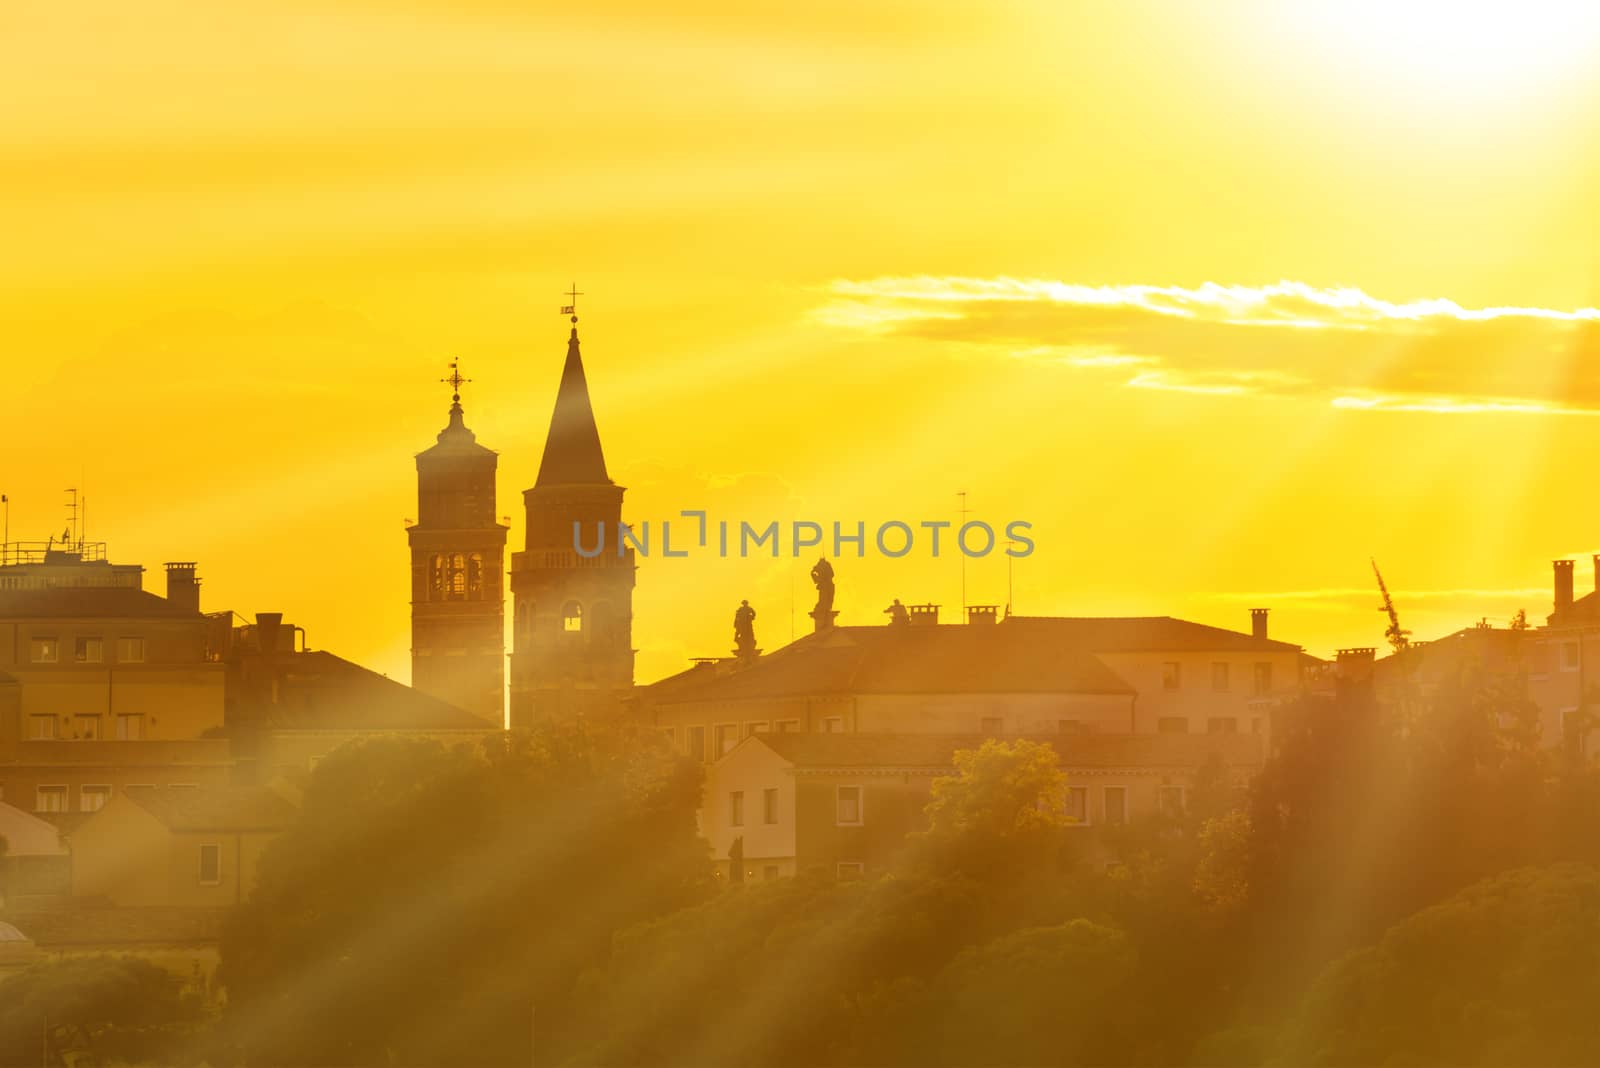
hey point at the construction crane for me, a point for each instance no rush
(1399, 637)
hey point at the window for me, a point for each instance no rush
(1172, 725)
(524, 617)
(41, 728)
(1171, 675)
(1255, 724)
(770, 872)
(755, 728)
(736, 808)
(1072, 726)
(130, 650)
(727, 737)
(1171, 800)
(475, 577)
(572, 617)
(93, 798)
(849, 869)
(769, 805)
(694, 742)
(993, 725)
(1116, 799)
(1078, 805)
(86, 728)
(87, 651)
(210, 864)
(1219, 675)
(50, 799)
(1222, 725)
(833, 725)
(788, 726)
(1569, 656)
(130, 726)
(671, 734)
(1263, 679)
(43, 650)
(847, 806)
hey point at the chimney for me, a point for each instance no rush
(923, 615)
(1355, 665)
(983, 613)
(183, 586)
(268, 625)
(1258, 623)
(1563, 570)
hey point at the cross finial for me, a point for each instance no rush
(571, 309)
(455, 381)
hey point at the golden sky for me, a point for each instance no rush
(1225, 299)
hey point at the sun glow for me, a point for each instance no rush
(1451, 50)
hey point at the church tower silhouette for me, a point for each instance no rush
(457, 569)
(572, 638)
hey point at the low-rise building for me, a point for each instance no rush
(843, 804)
(177, 846)
(288, 707)
(103, 685)
(34, 863)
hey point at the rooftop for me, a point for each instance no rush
(214, 808)
(970, 658)
(318, 690)
(1075, 750)
(1146, 634)
(89, 602)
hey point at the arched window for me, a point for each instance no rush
(436, 579)
(475, 576)
(524, 618)
(572, 617)
(458, 575)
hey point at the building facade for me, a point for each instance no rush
(102, 684)
(842, 804)
(572, 632)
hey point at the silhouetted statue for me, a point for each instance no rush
(897, 613)
(744, 630)
(822, 575)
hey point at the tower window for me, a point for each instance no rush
(436, 579)
(458, 575)
(475, 576)
(572, 617)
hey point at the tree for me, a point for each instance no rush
(1042, 995)
(1221, 878)
(1501, 973)
(1003, 810)
(430, 901)
(114, 1008)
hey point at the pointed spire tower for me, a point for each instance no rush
(457, 568)
(572, 638)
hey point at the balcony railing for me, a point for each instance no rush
(51, 552)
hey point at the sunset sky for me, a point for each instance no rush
(1224, 298)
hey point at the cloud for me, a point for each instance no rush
(1341, 346)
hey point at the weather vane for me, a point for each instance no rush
(455, 381)
(571, 309)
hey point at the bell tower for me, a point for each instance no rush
(457, 564)
(572, 633)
